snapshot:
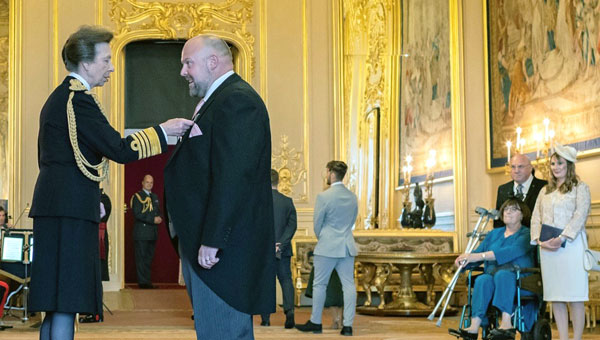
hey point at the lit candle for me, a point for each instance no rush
(546, 124)
(508, 145)
(522, 145)
(551, 136)
(518, 136)
(430, 162)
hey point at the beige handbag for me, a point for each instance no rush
(591, 258)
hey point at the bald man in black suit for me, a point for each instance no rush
(218, 196)
(524, 185)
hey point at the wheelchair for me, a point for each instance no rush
(529, 280)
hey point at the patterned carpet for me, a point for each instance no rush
(165, 314)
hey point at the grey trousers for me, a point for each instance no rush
(213, 317)
(345, 268)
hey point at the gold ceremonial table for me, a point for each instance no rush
(375, 270)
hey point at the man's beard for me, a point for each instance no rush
(328, 180)
(198, 90)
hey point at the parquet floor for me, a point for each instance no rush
(165, 314)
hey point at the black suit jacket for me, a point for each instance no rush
(61, 189)
(218, 194)
(285, 218)
(506, 190)
(144, 227)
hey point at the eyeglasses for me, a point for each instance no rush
(512, 208)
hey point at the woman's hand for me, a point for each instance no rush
(552, 244)
(176, 127)
(463, 259)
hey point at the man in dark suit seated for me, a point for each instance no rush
(524, 185)
(284, 214)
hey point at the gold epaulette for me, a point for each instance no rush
(146, 203)
(82, 163)
(146, 142)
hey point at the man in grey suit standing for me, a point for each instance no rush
(335, 215)
(145, 206)
(284, 214)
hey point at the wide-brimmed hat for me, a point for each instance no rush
(567, 152)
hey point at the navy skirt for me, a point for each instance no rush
(65, 273)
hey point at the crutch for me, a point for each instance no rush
(484, 216)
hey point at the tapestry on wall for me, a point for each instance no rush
(425, 87)
(543, 63)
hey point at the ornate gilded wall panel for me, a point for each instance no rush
(367, 36)
(4, 18)
(371, 33)
(292, 171)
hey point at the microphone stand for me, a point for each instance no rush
(21, 215)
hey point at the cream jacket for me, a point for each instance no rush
(566, 211)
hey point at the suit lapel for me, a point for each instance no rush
(532, 188)
(230, 80)
(510, 190)
(233, 78)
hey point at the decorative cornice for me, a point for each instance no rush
(169, 21)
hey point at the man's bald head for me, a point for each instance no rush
(148, 182)
(211, 44)
(520, 168)
(204, 59)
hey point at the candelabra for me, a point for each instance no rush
(406, 203)
(418, 218)
(429, 214)
(541, 164)
(544, 150)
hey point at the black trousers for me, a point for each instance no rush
(284, 275)
(144, 254)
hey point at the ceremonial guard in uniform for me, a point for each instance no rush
(144, 204)
(75, 142)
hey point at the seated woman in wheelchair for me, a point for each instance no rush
(500, 250)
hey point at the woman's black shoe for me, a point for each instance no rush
(461, 333)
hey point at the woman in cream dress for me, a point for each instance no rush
(564, 203)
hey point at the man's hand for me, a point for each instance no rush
(277, 247)
(157, 220)
(176, 126)
(207, 257)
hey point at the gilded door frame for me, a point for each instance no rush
(136, 21)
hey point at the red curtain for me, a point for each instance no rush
(165, 266)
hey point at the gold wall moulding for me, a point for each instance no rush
(136, 20)
(367, 43)
(292, 173)
(4, 43)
